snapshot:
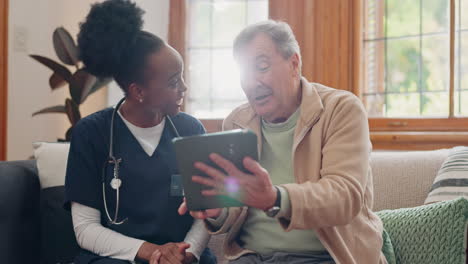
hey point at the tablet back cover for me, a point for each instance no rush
(233, 145)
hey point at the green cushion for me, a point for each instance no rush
(387, 248)
(433, 233)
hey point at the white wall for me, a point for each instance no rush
(31, 24)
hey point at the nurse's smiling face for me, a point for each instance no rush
(164, 87)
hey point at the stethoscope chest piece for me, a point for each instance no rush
(116, 183)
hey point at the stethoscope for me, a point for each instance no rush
(116, 182)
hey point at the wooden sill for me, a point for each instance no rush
(392, 140)
(419, 124)
(417, 140)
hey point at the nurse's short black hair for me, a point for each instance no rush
(112, 43)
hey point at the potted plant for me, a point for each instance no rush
(80, 83)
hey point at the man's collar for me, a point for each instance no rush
(311, 104)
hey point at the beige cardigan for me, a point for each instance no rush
(333, 192)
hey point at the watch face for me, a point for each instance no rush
(272, 212)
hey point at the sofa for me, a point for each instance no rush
(401, 179)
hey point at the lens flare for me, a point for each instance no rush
(231, 185)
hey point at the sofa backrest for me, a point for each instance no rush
(403, 178)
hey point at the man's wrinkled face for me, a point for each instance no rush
(268, 78)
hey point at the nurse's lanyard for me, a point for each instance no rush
(116, 182)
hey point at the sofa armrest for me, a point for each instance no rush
(20, 212)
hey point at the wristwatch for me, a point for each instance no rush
(273, 211)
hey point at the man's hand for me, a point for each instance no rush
(173, 253)
(255, 189)
(155, 257)
(170, 253)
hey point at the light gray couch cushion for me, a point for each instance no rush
(403, 179)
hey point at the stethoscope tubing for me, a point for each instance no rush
(116, 181)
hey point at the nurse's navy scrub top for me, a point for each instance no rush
(145, 191)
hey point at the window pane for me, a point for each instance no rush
(403, 17)
(464, 103)
(461, 61)
(402, 71)
(436, 63)
(200, 107)
(229, 18)
(435, 104)
(199, 73)
(375, 105)
(212, 74)
(435, 16)
(462, 6)
(200, 23)
(199, 83)
(457, 103)
(407, 70)
(226, 84)
(461, 103)
(256, 11)
(402, 105)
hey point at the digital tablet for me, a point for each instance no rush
(233, 145)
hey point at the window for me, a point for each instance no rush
(407, 59)
(212, 73)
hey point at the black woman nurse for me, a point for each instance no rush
(122, 184)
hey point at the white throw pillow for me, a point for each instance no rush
(451, 181)
(51, 163)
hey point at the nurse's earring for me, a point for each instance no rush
(141, 100)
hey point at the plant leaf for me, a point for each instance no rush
(61, 70)
(56, 81)
(65, 46)
(52, 109)
(81, 84)
(68, 134)
(73, 112)
(100, 82)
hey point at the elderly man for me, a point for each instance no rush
(309, 198)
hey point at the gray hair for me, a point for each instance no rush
(280, 32)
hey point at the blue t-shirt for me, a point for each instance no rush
(145, 197)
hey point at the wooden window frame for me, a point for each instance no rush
(386, 133)
(423, 133)
(3, 77)
(450, 123)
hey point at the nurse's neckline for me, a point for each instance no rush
(136, 115)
